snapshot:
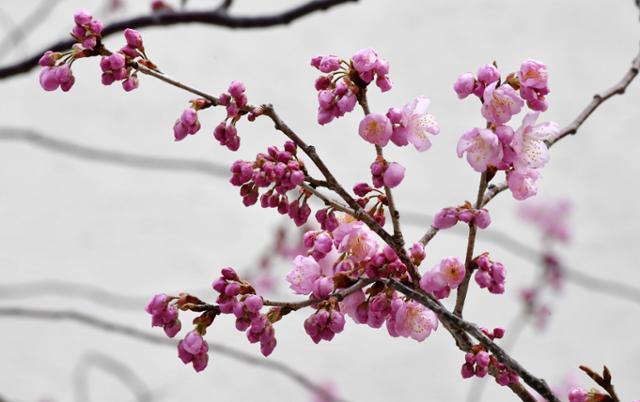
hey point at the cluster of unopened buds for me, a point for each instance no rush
(521, 153)
(479, 362)
(490, 274)
(344, 81)
(450, 216)
(281, 171)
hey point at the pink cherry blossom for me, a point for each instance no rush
(464, 85)
(376, 129)
(483, 148)
(533, 74)
(488, 74)
(411, 320)
(453, 271)
(528, 142)
(356, 239)
(500, 103)
(305, 272)
(522, 183)
(415, 124)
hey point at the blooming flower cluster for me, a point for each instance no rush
(281, 171)
(522, 152)
(450, 216)
(345, 80)
(490, 274)
(447, 275)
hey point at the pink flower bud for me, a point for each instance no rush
(464, 85)
(133, 38)
(394, 175)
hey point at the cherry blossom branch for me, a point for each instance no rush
(331, 182)
(339, 295)
(50, 143)
(327, 201)
(451, 319)
(134, 333)
(215, 17)
(471, 241)
(574, 126)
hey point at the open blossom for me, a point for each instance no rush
(522, 183)
(528, 142)
(483, 148)
(355, 238)
(376, 129)
(305, 272)
(414, 125)
(447, 275)
(500, 103)
(533, 74)
(193, 349)
(411, 320)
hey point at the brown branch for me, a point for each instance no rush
(339, 295)
(461, 294)
(134, 333)
(327, 201)
(450, 319)
(215, 17)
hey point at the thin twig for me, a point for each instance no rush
(108, 326)
(463, 288)
(213, 17)
(339, 295)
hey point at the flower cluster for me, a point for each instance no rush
(118, 66)
(345, 80)
(490, 275)
(234, 100)
(387, 174)
(522, 152)
(447, 275)
(238, 298)
(325, 323)
(188, 123)
(164, 314)
(281, 171)
(382, 305)
(409, 125)
(56, 67)
(193, 349)
(478, 362)
(450, 216)
(87, 31)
